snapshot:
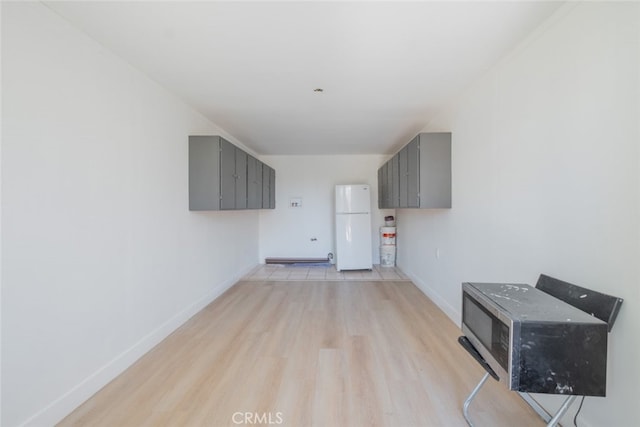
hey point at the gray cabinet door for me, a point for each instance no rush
(204, 173)
(389, 176)
(402, 176)
(380, 204)
(386, 195)
(265, 186)
(272, 188)
(259, 184)
(381, 186)
(413, 173)
(419, 175)
(254, 183)
(435, 170)
(227, 175)
(394, 181)
(241, 179)
(251, 177)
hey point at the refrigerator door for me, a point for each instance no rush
(352, 199)
(353, 242)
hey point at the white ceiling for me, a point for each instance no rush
(386, 67)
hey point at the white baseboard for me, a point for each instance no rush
(65, 404)
(453, 313)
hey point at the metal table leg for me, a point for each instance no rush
(465, 407)
(563, 409)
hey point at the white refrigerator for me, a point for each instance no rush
(353, 227)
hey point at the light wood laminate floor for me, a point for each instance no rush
(332, 353)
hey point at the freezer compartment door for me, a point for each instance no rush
(353, 199)
(353, 242)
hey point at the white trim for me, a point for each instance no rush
(453, 313)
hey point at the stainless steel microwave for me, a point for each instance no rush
(533, 341)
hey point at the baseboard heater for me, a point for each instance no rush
(296, 260)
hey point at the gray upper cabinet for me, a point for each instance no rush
(419, 175)
(222, 176)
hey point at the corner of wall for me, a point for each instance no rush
(434, 296)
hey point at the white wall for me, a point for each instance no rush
(546, 179)
(287, 232)
(101, 258)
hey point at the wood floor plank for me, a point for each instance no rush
(330, 398)
(326, 353)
